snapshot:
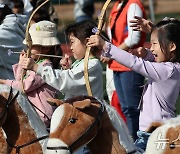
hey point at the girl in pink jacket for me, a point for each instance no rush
(44, 40)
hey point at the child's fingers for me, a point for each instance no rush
(66, 55)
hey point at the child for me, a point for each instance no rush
(163, 86)
(71, 81)
(44, 41)
(18, 6)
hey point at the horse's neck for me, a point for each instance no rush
(23, 124)
(17, 125)
(33, 118)
(18, 130)
(106, 139)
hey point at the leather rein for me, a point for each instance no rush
(9, 101)
(96, 122)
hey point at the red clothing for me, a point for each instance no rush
(115, 102)
(121, 30)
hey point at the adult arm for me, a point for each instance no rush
(133, 36)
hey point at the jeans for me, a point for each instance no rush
(83, 150)
(129, 88)
(82, 18)
(141, 142)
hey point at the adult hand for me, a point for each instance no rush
(141, 24)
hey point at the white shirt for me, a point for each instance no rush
(71, 82)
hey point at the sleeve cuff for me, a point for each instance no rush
(106, 50)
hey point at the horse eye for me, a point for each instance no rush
(72, 120)
(172, 146)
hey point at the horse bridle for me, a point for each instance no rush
(97, 121)
(18, 147)
(8, 102)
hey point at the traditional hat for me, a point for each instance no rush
(43, 33)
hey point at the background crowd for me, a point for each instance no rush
(127, 84)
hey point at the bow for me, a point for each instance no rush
(86, 59)
(29, 40)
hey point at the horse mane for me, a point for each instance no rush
(112, 130)
(34, 119)
(124, 138)
(80, 98)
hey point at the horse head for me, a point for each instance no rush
(165, 137)
(74, 123)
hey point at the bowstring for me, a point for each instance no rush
(115, 73)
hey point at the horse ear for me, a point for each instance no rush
(153, 126)
(82, 104)
(54, 102)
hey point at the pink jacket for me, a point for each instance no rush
(36, 90)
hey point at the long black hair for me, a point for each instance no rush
(168, 31)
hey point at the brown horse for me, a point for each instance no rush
(22, 130)
(85, 120)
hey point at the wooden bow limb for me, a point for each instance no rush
(86, 59)
(29, 40)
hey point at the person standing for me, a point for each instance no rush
(83, 10)
(44, 41)
(128, 84)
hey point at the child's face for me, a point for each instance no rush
(38, 49)
(156, 49)
(35, 50)
(78, 49)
